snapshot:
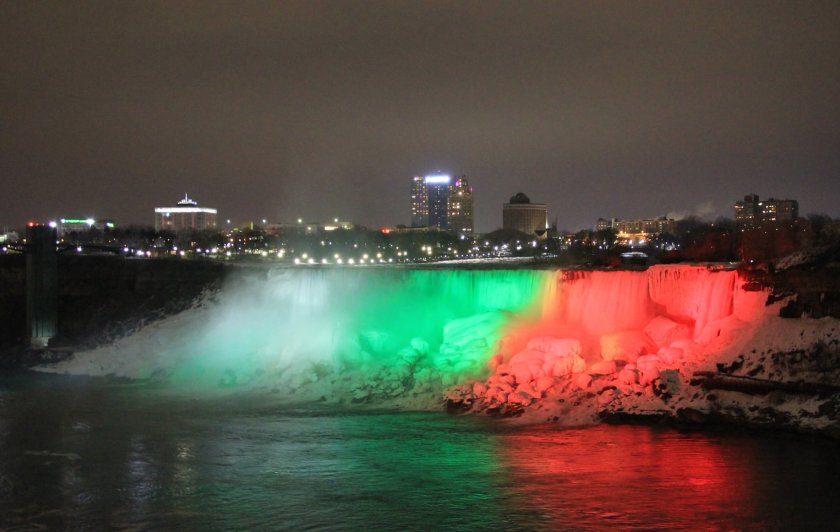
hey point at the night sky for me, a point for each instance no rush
(309, 109)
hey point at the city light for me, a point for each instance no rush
(438, 179)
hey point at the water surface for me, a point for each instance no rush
(92, 454)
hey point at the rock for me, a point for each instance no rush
(566, 366)
(602, 367)
(583, 380)
(527, 389)
(691, 415)
(409, 355)
(527, 356)
(649, 366)
(520, 399)
(507, 379)
(670, 381)
(536, 371)
(627, 346)
(664, 331)
(495, 396)
(479, 389)
(606, 397)
(420, 345)
(647, 360)
(648, 376)
(628, 376)
(501, 383)
(670, 355)
(550, 344)
(522, 374)
(544, 383)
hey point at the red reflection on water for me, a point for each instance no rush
(629, 477)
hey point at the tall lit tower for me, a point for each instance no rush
(437, 190)
(460, 206)
(419, 202)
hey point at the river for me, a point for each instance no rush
(82, 453)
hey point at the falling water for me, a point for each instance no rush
(385, 333)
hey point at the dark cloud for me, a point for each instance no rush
(318, 109)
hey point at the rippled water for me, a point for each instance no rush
(92, 454)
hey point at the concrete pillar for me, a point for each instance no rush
(41, 285)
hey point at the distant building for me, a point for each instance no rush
(651, 226)
(9, 237)
(460, 207)
(603, 224)
(437, 191)
(754, 213)
(419, 202)
(522, 215)
(66, 226)
(309, 227)
(632, 232)
(186, 216)
(441, 203)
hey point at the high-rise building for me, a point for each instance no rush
(459, 209)
(437, 191)
(753, 213)
(523, 216)
(438, 202)
(186, 216)
(419, 202)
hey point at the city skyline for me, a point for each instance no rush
(322, 110)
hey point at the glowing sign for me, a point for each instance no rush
(437, 179)
(88, 221)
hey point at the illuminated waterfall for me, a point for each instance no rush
(326, 332)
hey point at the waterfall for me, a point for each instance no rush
(267, 324)
(288, 327)
(603, 302)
